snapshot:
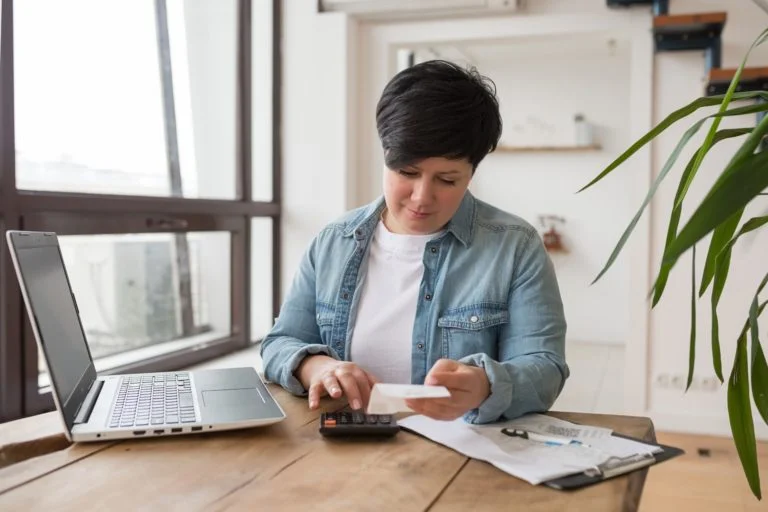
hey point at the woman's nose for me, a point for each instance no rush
(422, 191)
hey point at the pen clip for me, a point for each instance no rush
(618, 465)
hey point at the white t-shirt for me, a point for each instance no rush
(381, 341)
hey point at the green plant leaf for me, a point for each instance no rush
(751, 225)
(722, 264)
(741, 185)
(739, 406)
(746, 149)
(720, 237)
(759, 366)
(690, 173)
(674, 219)
(717, 358)
(692, 347)
(721, 135)
(723, 257)
(740, 415)
(651, 192)
(759, 379)
(729, 94)
(708, 101)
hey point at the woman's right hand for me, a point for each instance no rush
(322, 375)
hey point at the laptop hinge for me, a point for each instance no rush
(84, 413)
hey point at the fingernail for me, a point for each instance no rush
(335, 391)
(356, 404)
(312, 404)
(430, 381)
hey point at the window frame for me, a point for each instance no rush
(92, 214)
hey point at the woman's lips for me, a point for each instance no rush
(418, 215)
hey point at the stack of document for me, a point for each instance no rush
(538, 448)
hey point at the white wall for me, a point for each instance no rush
(316, 131)
(551, 88)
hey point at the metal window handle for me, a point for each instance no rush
(167, 223)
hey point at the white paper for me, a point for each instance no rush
(596, 437)
(549, 425)
(390, 398)
(528, 460)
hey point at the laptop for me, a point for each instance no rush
(97, 408)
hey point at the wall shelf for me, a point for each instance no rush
(541, 149)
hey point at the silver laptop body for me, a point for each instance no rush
(97, 408)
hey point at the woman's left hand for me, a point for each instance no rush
(468, 385)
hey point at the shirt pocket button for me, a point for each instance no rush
(474, 319)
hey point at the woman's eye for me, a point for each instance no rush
(409, 174)
(448, 182)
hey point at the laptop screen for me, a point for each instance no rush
(55, 312)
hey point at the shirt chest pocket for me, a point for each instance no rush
(472, 329)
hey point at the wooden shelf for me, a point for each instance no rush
(752, 79)
(707, 20)
(544, 149)
(727, 74)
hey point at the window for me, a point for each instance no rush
(132, 138)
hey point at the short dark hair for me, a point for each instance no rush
(438, 109)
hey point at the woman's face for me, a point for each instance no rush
(421, 198)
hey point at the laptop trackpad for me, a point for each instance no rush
(231, 405)
(225, 398)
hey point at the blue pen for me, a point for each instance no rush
(541, 438)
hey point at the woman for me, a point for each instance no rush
(427, 284)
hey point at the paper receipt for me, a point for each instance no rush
(390, 398)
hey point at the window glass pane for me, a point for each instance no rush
(134, 299)
(261, 100)
(90, 109)
(262, 316)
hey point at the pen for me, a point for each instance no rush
(541, 438)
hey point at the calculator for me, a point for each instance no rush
(358, 424)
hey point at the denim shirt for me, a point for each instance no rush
(488, 298)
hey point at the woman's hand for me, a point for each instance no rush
(468, 385)
(323, 375)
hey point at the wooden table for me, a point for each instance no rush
(287, 466)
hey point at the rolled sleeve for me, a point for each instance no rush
(295, 334)
(288, 379)
(526, 384)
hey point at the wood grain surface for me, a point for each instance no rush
(287, 466)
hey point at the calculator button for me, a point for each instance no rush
(358, 418)
(370, 419)
(386, 419)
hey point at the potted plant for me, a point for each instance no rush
(743, 179)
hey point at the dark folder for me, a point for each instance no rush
(615, 467)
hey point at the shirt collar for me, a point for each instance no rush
(461, 224)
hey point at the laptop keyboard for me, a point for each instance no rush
(154, 400)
